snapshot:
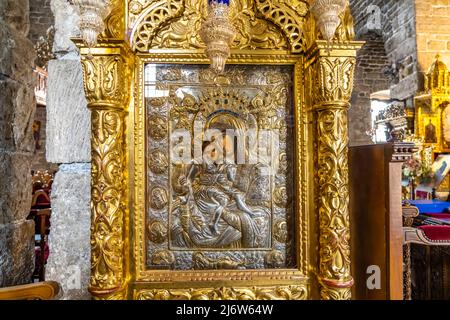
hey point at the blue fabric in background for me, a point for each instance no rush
(430, 206)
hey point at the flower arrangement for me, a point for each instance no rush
(418, 172)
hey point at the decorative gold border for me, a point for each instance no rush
(431, 107)
(151, 18)
(202, 277)
(288, 292)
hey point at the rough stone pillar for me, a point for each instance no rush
(68, 144)
(333, 79)
(17, 107)
(69, 238)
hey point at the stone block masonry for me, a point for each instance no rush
(69, 261)
(396, 24)
(68, 144)
(17, 107)
(433, 31)
(397, 21)
(413, 33)
(68, 119)
(41, 18)
(369, 78)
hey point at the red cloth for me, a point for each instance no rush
(37, 251)
(41, 205)
(42, 201)
(443, 216)
(422, 195)
(436, 233)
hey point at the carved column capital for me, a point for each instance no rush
(107, 74)
(332, 72)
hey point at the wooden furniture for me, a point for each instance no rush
(46, 290)
(409, 213)
(427, 253)
(42, 220)
(375, 174)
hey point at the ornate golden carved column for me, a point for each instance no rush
(106, 83)
(332, 84)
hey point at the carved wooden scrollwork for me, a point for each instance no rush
(115, 22)
(152, 19)
(106, 79)
(331, 89)
(334, 78)
(261, 24)
(252, 293)
(276, 26)
(334, 197)
(107, 199)
(289, 16)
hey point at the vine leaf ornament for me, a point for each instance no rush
(259, 24)
(293, 292)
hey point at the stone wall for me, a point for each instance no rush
(413, 32)
(387, 61)
(400, 42)
(433, 32)
(397, 25)
(68, 144)
(69, 260)
(39, 159)
(41, 18)
(371, 62)
(17, 107)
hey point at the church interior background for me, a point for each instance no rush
(225, 149)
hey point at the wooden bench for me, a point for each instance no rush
(46, 290)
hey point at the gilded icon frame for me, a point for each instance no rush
(429, 108)
(323, 85)
(144, 281)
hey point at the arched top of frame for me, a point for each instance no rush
(174, 24)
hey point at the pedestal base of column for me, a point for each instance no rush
(115, 294)
(335, 290)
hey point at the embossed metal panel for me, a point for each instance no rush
(219, 152)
